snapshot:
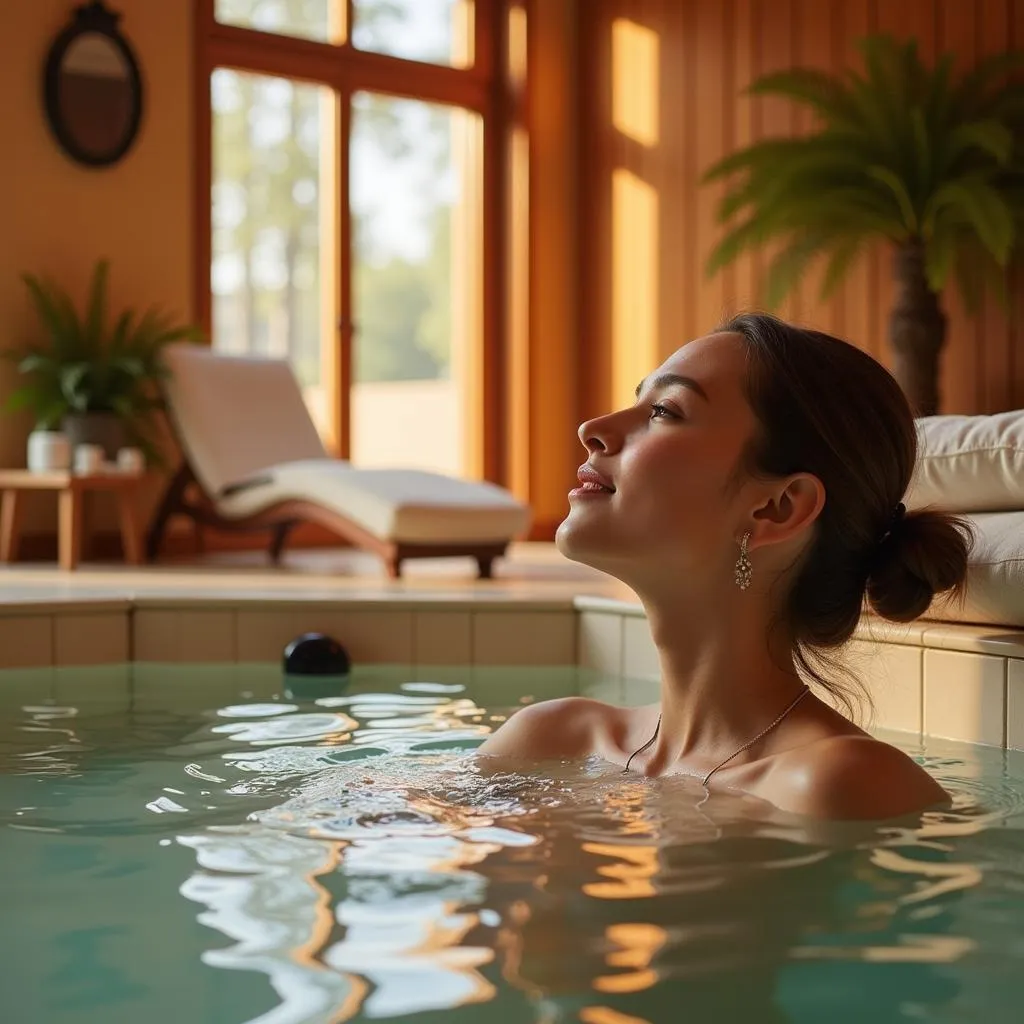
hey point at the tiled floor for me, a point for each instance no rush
(531, 572)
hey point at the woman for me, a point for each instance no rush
(751, 498)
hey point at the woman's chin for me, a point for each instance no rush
(576, 542)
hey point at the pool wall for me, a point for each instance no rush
(931, 678)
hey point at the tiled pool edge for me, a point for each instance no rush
(930, 678)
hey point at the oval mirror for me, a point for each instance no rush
(93, 88)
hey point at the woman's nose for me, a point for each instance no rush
(599, 435)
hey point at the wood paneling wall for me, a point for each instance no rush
(648, 225)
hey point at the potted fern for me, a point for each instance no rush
(95, 379)
(905, 154)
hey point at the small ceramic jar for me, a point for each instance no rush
(48, 451)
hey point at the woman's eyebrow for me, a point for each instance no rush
(665, 380)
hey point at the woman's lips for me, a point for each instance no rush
(590, 489)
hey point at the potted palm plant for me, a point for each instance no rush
(94, 378)
(908, 154)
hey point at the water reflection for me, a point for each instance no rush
(353, 855)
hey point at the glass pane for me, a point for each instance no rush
(266, 274)
(415, 220)
(435, 31)
(310, 19)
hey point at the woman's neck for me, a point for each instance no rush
(721, 684)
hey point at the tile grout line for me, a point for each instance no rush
(1006, 704)
(921, 693)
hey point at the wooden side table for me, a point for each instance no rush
(71, 489)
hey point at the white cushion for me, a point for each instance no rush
(995, 575)
(970, 463)
(394, 504)
(236, 415)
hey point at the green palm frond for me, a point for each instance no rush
(827, 95)
(902, 151)
(86, 365)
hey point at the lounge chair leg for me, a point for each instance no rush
(486, 564)
(278, 536)
(172, 501)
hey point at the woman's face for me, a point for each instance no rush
(669, 459)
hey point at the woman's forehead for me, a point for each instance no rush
(716, 361)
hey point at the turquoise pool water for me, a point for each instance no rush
(188, 844)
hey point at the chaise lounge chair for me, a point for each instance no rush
(253, 460)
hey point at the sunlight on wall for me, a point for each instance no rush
(518, 283)
(517, 46)
(634, 283)
(635, 72)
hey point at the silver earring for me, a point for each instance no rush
(744, 570)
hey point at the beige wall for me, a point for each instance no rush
(58, 218)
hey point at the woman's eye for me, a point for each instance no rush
(659, 411)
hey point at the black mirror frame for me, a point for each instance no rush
(90, 17)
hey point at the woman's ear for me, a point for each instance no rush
(789, 509)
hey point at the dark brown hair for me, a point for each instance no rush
(825, 407)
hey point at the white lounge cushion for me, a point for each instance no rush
(243, 419)
(995, 576)
(236, 415)
(395, 504)
(970, 463)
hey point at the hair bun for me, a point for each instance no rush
(924, 553)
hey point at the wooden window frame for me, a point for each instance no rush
(343, 68)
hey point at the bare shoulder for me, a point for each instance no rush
(564, 727)
(852, 778)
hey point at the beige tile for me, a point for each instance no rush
(91, 639)
(26, 641)
(262, 635)
(599, 641)
(1015, 703)
(964, 696)
(154, 635)
(619, 605)
(639, 655)
(524, 638)
(442, 638)
(873, 629)
(997, 640)
(206, 636)
(893, 676)
(368, 636)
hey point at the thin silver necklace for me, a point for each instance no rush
(746, 746)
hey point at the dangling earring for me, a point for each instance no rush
(744, 570)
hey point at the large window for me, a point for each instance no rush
(347, 206)
(413, 274)
(266, 218)
(437, 31)
(310, 19)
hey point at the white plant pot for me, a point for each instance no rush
(48, 451)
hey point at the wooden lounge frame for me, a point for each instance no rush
(281, 518)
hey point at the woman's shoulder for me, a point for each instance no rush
(851, 777)
(563, 727)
